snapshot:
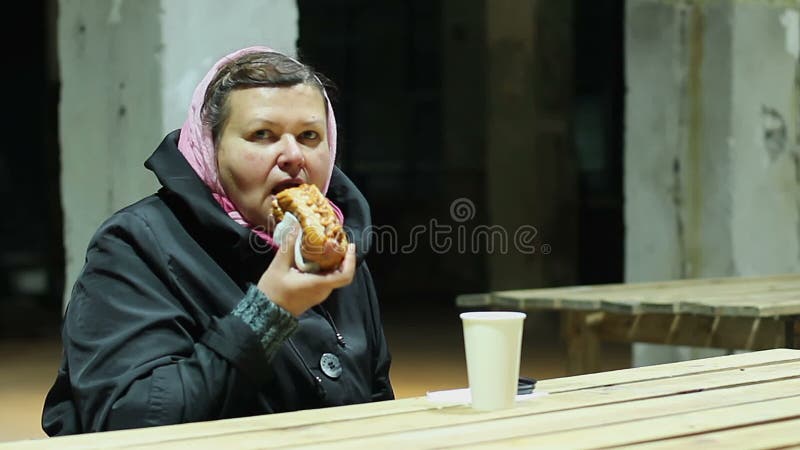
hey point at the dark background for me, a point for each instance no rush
(392, 134)
(390, 110)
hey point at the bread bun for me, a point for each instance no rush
(323, 239)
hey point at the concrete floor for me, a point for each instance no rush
(28, 369)
(428, 356)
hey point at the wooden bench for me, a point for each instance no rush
(747, 313)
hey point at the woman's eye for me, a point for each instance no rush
(309, 135)
(262, 134)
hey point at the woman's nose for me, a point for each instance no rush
(290, 159)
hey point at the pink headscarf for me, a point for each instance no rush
(197, 145)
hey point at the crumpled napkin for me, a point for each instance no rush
(282, 230)
(464, 397)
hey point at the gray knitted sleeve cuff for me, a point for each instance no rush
(271, 323)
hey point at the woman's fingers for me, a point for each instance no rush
(344, 274)
(297, 291)
(336, 278)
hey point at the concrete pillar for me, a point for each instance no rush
(128, 69)
(530, 165)
(711, 144)
(765, 139)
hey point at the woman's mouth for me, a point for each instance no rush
(286, 184)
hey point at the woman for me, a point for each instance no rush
(185, 310)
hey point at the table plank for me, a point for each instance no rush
(681, 291)
(696, 366)
(692, 299)
(666, 301)
(566, 420)
(765, 304)
(200, 430)
(770, 435)
(590, 291)
(771, 295)
(474, 300)
(381, 431)
(751, 414)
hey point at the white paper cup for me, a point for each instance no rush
(492, 342)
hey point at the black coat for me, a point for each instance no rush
(148, 335)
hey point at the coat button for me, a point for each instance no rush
(330, 365)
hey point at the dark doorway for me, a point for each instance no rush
(598, 136)
(31, 248)
(387, 60)
(385, 57)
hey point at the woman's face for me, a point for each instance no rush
(274, 138)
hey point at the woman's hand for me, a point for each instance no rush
(296, 291)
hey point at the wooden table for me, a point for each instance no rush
(749, 400)
(747, 313)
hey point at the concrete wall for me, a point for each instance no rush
(765, 140)
(195, 33)
(128, 69)
(711, 185)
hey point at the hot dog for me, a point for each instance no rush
(324, 241)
